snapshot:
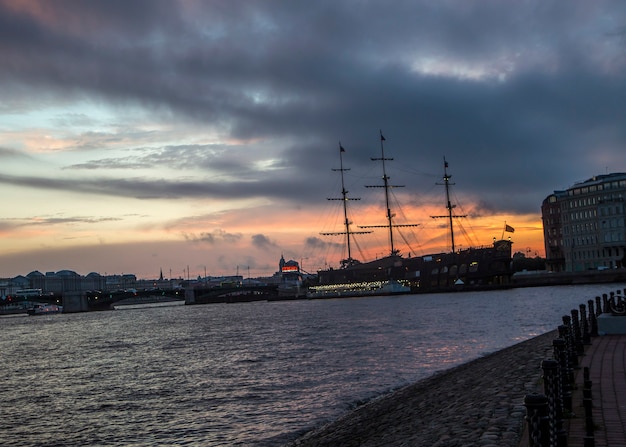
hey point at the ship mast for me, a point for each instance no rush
(390, 225)
(347, 223)
(449, 206)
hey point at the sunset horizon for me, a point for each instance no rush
(188, 136)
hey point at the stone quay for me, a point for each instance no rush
(479, 403)
(497, 400)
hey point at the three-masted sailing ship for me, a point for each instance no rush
(459, 269)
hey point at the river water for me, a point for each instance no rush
(246, 374)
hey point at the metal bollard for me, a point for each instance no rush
(579, 348)
(537, 418)
(593, 320)
(586, 383)
(584, 325)
(560, 355)
(570, 342)
(589, 439)
(552, 390)
(598, 306)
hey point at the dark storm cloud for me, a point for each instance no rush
(149, 188)
(522, 99)
(69, 220)
(73, 119)
(228, 161)
(110, 163)
(217, 235)
(7, 153)
(317, 243)
(6, 224)
(262, 241)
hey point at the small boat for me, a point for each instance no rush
(45, 309)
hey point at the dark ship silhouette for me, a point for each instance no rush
(473, 268)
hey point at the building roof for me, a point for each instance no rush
(602, 178)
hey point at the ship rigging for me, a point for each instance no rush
(344, 198)
(446, 183)
(473, 268)
(390, 223)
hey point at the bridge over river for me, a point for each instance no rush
(83, 301)
(244, 293)
(80, 301)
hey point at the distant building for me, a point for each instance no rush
(68, 281)
(287, 271)
(584, 226)
(553, 231)
(8, 286)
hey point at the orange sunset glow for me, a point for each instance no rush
(195, 137)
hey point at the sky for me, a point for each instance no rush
(201, 136)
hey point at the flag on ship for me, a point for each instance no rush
(509, 228)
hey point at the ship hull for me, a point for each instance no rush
(470, 269)
(357, 289)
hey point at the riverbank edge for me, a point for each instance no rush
(478, 403)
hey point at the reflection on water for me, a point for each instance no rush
(253, 374)
(147, 305)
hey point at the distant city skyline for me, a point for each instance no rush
(148, 135)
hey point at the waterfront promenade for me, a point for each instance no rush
(481, 403)
(606, 360)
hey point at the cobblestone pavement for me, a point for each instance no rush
(479, 403)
